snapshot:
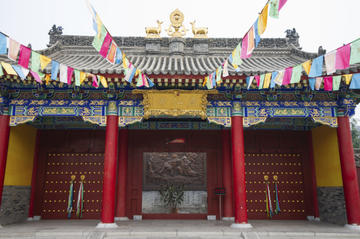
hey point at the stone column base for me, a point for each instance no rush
(353, 227)
(121, 219)
(312, 218)
(241, 225)
(231, 219)
(34, 218)
(106, 225)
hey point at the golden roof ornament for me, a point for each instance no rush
(176, 28)
(153, 32)
(199, 32)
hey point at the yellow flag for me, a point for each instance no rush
(98, 24)
(307, 66)
(82, 77)
(124, 61)
(205, 80)
(44, 61)
(103, 81)
(8, 68)
(267, 80)
(347, 78)
(262, 22)
(47, 79)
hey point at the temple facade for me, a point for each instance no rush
(230, 147)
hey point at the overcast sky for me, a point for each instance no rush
(330, 23)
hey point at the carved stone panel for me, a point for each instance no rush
(187, 168)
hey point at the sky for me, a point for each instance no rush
(327, 23)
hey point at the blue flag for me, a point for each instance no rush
(118, 56)
(256, 31)
(54, 69)
(312, 83)
(355, 82)
(316, 67)
(19, 71)
(273, 77)
(3, 45)
(151, 84)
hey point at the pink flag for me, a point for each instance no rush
(36, 76)
(69, 74)
(287, 76)
(24, 56)
(95, 83)
(257, 78)
(281, 3)
(105, 46)
(343, 57)
(244, 47)
(14, 48)
(328, 83)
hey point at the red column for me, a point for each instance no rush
(33, 177)
(122, 169)
(227, 175)
(313, 177)
(4, 142)
(237, 143)
(109, 182)
(348, 170)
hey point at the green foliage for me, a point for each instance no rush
(355, 133)
(172, 195)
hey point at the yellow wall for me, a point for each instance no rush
(326, 157)
(20, 157)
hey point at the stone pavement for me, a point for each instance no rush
(176, 229)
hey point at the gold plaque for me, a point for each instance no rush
(175, 102)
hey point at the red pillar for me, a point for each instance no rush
(33, 177)
(122, 169)
(237, 145)
(227, 175)
(348, 170)
(4, 142)
(109, 181)
(313, 176)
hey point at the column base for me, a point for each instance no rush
(312, 218)
(241, 225)
(231, 219)
(34, 218)
(354, 227)
(121, 219)
(106, 225)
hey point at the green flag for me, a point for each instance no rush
(274, 8)
(77, 77)
(262, 78)
(35, 61)
(98, 40)
(355, 52)
(336, 82)
(218, 76)
(236, 55)
(296, 74)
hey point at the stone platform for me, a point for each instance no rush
(161, 229)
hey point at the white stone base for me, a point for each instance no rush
(36, 218)
(230, 219)
(353, 227)
(122, 219)
(313, 219)
(317, 219)
(241, 225)
(211, 217)
(106, 225)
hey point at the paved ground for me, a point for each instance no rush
(175, 229)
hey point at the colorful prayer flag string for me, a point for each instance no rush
(70, 198)
(80, 200)
(277, 209)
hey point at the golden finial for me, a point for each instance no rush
(199, 32)
(266, 177)
(82, 177)
(73, 177)
(275, 177)
(176, 28)
(153, 32)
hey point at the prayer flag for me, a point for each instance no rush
(99, 39)
(118, 57)
(330, 62)
(205, 80)
(316, 67)
(47, 79)
(307, 66)
(343, 57)
(347, 78)
(287, 76)
(256, 31)
(8, 68)
(54, 69)
(112, 52)
(1, 71)
(105, 46)
(355, 82)
(250, 41)
(267, 80)
(24, 56)
(21, 71)
(318, 83)
(36, 76)
(218, 75)
(249, 81)
(355, 52)
(44, 61)
(14, 48)
(69, 74)
(328, 83)
(125, 61)
(296, 74)
(103, 81)
(312, 83)
(209, 82)
(282, 3)
(262, 79)
(336, 82)
(82, 77)
(95, 83)
(274, 8)
(273, 77)
(257, 79)
(236, 55)
(279, 78)
(146, 83)
(244, 47)
(226, 71)
(151, 84)
(35, 61)
(139, 81)
(262, 20)
(130, 73)
(77, 77)
(3, 44)
(63, 73)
